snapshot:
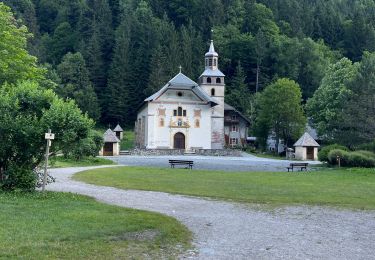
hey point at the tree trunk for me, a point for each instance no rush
(257, 78)
(277, 144)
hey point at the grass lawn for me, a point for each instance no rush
(61, 162)
(353, 188)
(67, 226)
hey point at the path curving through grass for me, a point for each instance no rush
(227, 230)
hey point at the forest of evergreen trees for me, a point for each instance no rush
(110, 54)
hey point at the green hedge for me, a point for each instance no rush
(352, 159)
(323, 153)
(368, 147)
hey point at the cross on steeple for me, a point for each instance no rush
(180, 68)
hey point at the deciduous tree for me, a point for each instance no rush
(280, 112)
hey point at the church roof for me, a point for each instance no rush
(230, 108)
(212, 73)
(110, 137)
(180, 81)
(118, 129)
(211, 51)
(306, 140)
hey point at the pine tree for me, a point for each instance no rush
(260, 50)
(239, 94)
(75, 84)
(117, 93)
(96, 28)
(159, 75)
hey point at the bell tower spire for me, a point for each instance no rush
(212, 58)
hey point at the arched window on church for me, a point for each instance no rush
(179, 111)
(208, 80)
(212, 92)
(218, 80)
(210, 62)
(197, 123)
(215, 62)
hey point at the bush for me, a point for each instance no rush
(344, 157)
(368, 147)
(19, 178)
(89, 146)
(323, 153)
(352, 159)
(367, 154)
(357, 159)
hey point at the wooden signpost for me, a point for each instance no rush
(48, 136)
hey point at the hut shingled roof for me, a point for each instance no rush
(306, 141)
(110, 137)
(118, 129)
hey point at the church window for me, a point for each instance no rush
(175, 112)
(210, 62)
(234, 128)
(197, 113)
(184, 113)
(215, 62)
(179, 111)
(179, 94)
(208, 80)
(233, 141)
(197, 123)
(161, 112)
(161, 122)
(212, 92)
(218, 80)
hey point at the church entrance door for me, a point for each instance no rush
(179, 141)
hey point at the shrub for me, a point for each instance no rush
(89, 146)
(344, 157)
(357, 159)
(367, 153)
(19, 178)
(352, 159)
(368, 147)
(323, 153)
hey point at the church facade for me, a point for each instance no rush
(186, 115)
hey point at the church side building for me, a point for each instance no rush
(184, 114)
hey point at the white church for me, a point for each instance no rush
(186, 115)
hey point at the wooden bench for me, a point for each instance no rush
(189, 164)
(301, 166)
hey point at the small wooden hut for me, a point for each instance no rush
(111, 145)
(306, 148)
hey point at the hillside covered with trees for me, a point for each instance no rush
(109, 55)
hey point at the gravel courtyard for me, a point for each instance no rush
(224, 230)
(246, 163)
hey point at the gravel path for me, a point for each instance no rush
(224, 230)
(246, 163)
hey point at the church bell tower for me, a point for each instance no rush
(212, 81)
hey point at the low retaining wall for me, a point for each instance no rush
(202, 152)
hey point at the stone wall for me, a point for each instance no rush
(202, 152)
